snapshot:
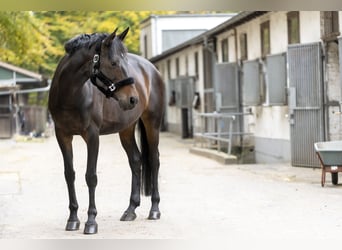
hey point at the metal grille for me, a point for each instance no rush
(226, 80)
(306, 102)
(276, 79)
(227, 94)
(184, 91)
(251, 83)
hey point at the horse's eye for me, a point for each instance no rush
(114, 64)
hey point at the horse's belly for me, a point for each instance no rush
(122, 121)
(110, 127)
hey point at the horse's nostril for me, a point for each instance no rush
(133, 100)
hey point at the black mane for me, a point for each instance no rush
(82, 41)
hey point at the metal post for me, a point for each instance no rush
(219, 118)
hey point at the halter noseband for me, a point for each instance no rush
(97, 74)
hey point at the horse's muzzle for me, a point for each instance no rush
(129, 103)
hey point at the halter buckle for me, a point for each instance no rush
(96, 58)
(112, 87)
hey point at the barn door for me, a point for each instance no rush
(184, 97)
(208, 66)
(305, 102)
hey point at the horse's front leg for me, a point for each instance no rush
(92, 139)
(129, 144)
(65, 144)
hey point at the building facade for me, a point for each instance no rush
(281, 70)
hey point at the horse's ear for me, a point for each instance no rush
(123, 34)
(110, 38)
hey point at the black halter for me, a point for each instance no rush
(97, 74)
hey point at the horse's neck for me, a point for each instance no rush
(73, 74)
(76, 70)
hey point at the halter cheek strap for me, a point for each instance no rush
(96, 73)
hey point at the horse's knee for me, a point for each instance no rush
(91, 180)
(69, 175)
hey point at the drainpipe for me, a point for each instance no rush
(340, 67)
(241, 118)
(325, 93)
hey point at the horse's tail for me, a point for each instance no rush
(146, 170)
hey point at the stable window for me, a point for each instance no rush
(177, 66)
(293, 33)
(276, 78)
(251, 84)
(196, 64)
(331, 25)
(224, 50)
(243, 46)
(168, 69)
(265, 38)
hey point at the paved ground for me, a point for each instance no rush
(200, 198)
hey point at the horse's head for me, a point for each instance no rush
(110, 68)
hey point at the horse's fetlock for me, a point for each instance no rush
(92, 212)
(73, 207)
(135, 199)
(155, 199)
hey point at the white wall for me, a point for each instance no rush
(310, 27)
(155, 25)
(278, 27)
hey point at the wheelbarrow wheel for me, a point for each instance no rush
(334, 178)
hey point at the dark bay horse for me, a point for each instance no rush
(99, 88)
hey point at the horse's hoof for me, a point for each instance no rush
(154, 215)
(72, 225)
(128, 216)
(90, 228)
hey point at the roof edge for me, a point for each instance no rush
(239, 18)
(21, 71)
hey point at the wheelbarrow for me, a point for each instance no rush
(330, 156)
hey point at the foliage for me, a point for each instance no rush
(24, 41)
(35, 40)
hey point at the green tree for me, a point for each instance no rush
(35, 40)
(24, 41)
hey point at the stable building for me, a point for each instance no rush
(22, 96)
(276, 74)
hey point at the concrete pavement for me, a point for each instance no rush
(200, 198)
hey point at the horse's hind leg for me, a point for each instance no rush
(150, 158)
(129, 144)
(91, 137)
(65, 144)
